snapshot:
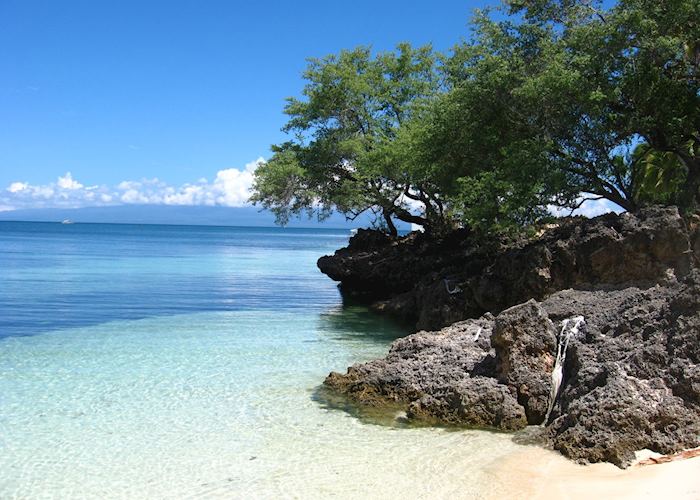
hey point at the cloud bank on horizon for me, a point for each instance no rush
(230, 188)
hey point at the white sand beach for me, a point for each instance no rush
(539, 474)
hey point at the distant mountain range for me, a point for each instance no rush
(186, 215)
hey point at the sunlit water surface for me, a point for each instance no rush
(172, 361)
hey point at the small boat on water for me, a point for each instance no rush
(67, 221)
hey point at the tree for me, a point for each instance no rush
(628, 74)
(340, 157)
(477, 139)
(558, 101)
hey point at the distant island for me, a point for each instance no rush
(493, 260)
(179, 215)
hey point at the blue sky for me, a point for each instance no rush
(178, 91)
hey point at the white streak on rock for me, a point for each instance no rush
(558, 371)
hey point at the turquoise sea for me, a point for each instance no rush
(184, 361)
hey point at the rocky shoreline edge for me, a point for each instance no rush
(588, 333)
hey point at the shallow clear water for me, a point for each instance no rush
(169, 362)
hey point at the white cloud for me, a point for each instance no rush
(589, 208)
(124, 185)
(16, 187)
(231, 187)
(593, 208)
(133, 196)
(45, 192)
(67, 182)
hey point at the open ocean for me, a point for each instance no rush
(145, 361)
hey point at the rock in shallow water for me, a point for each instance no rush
(630, 381)
(525, 343)
(479, 401)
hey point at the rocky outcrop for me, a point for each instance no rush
(629, 372)
(694, 231)
(525, 345)
(435, 283)
(438, 374)
(631, 378)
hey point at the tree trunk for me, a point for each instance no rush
(390, 223)
(627, 203)
(689, 199)
(612, 195)
(406, 216)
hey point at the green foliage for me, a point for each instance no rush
(633, 76)
(352, 108)
(560, 99)
(659, 175)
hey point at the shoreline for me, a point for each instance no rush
(540, 474)
(589, 330)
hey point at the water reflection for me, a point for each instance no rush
(347, 326)
(388, 415)
(54, 277)
(358, 323)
